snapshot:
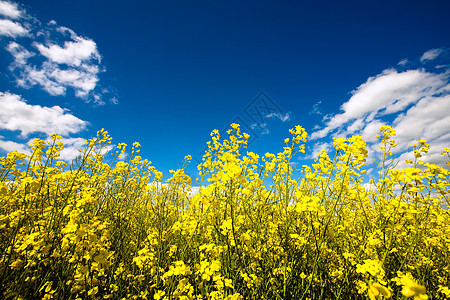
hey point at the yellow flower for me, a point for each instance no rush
(93, 291)
(159, 295)
(228, 283)
(413, 289)
(376, 290)
(410, 287)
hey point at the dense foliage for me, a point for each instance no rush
(260, 227)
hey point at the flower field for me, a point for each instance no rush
(261, 227)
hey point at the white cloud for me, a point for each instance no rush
(12, 29)
(82, 81)
(9, 10)
(82, 76)
(428, 119)
(20, 54)
(114, 100)
(194, 191)
(386, 93)
(432, 157)
(368, 186)
(403, 62)
(356, 126)
(315, 110)
(69, 153)
(254, 125)
(73, 53)
(371, 129)
(9, 146)
(32, 76)
(71, 147)
(317, 147)
(17, 115)
(431, 55)
(414, 102)
(282, 117)
(62, 60)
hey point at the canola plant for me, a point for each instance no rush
(260, 227)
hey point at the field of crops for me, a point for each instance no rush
(261, 227)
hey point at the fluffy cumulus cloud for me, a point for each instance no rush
(71, 146)
(17, 115)
(12, 29)
(52, 57)
(57, 60)
(69, 153)
(317, 148)
(9, 10)
(415, 102)
(72, 53)
(9, 146)
(386, 93)
(9, 27)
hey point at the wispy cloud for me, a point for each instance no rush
(403, 62)
(431, 54)
(52, 57)
(415, 102)
(315, 109)
(282, 117)
(20, 54)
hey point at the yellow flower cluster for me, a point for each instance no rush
(261, 227)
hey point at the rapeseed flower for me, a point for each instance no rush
(410, 287)
(260, 227)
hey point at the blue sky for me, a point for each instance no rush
(166, 73)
